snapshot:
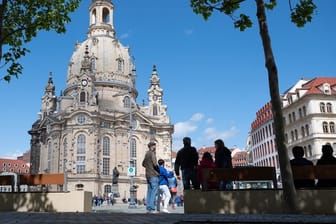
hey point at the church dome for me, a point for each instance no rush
(101, 54)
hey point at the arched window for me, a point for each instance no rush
(106, 146)
(81, 144)
(292, 136)
(304, 111)
(302, 132)
(79, 187)
(93, 64)
(155, 110)
(107, 189)
(93, 16)
(82, 97)
(294, 117)
(290, 118)
(307, 129)
(300, 112)
(325, 127)
(332, 127)
(106, 15)
(120, 62)
(296, 134)
(310, 153)
(329, 108)
(127, 102)
(322, 107)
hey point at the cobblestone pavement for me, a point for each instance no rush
(120, 213)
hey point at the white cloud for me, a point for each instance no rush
(202, 135)
(209, 121)
(212, 134)
(184, 128)
(197, 117)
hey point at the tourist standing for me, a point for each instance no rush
(187, 161)
(223, 159)
(152, 176)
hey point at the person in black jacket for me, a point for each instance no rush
(327, 158)
(223, 159)
(298, 153)
(187, 161)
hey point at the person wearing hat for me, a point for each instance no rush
(152, 176)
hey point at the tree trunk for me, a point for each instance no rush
(2, 11)
(289, 191)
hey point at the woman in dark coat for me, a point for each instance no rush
(206, 162)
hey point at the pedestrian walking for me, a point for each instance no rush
(163, 192)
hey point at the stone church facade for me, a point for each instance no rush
(95, 125)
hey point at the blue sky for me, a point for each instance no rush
(213, 75)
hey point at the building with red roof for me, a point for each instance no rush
(14, 166)
(309, 114)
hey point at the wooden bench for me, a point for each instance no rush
(238, 174)
(7, 180)
(41, 179)
(322, 172)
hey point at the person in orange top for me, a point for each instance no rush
(206, 162)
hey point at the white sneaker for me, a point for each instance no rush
(165, 210)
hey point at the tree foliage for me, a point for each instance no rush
(300, 14)
(20, 22)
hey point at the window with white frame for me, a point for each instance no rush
(81, 164)
(107, 189)
(82, 97)
(322, 107)
(127, 102)
(325, 127)
(332, 127)
(155, 110)
(106, 166)
(329, 108)
(302, 131)
(81, 144)
(106, 146)
(307, 129)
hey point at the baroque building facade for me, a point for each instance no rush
(309, 116)
(95, 125)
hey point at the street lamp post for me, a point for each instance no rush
(65, 184)
(132, 203)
